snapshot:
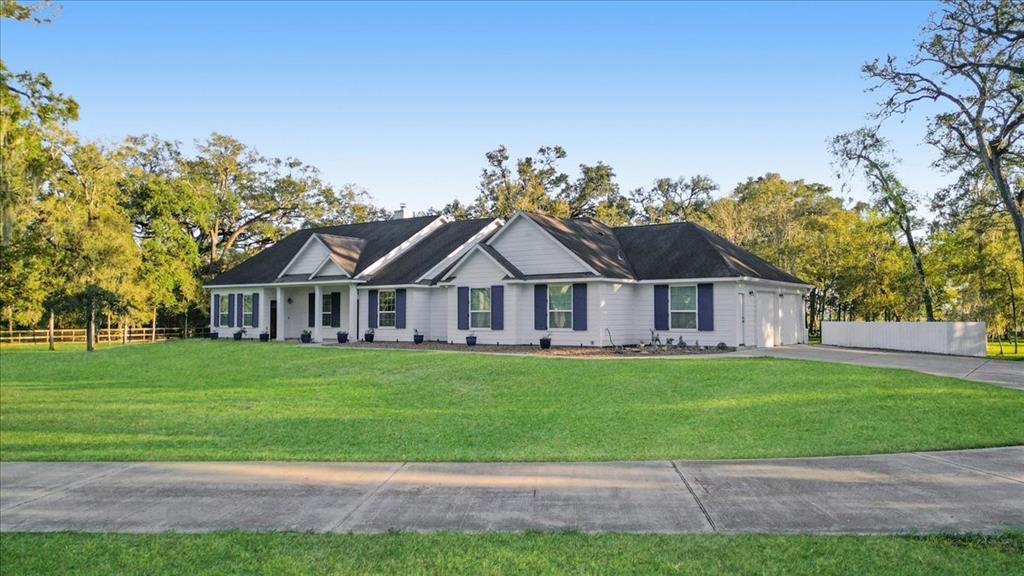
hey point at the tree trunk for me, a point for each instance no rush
(49, 332)
(1013, 309)
(919, 267)
(152, 328)
(993, 163)
(90, 331)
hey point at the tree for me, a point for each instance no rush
(669, 200)
(530, 187)
(865, 150)
(969, 59)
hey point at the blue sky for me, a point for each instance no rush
(404, 99)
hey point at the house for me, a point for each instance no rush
(580, 281)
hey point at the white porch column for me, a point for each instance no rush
(213, 296)
(281, 313)
(318, 316)
(353, 313)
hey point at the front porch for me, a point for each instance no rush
(323, 309)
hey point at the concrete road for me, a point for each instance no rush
(977, 490)
(1002, 372)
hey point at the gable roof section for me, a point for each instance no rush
(418, 260)
(686, 250)
(380, 238)
(589, 240)
(345, 250)
(511, 272)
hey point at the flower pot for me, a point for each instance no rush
(306, 338)
(214, 335)
(238, 335)
(264, 337)
(545, 343)
(470, 340)
(417, 338)
(368, 337)
(342, 337)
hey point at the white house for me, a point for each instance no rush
(512, 282)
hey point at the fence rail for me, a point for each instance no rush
(133, 334)
(956, 338)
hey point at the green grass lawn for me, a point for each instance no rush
(532, 553)
(212, 400)
(1005, 352)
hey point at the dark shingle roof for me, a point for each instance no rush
(426, 253)
(381, 237)
(591, 241)
(345, 250)
(686, 250)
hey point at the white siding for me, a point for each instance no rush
(533, 251)
(418, 303)
(566, 336)
(618, 314)
(308, 259)
(479, 271)
(331, 268)
(262, 318)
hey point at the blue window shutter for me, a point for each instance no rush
(312, 309)
(231, 310)
(255, 308)
(579, 306)
(540, 307)
(335, 309)
(400, 308)
(216, 310)
(705, 307)
(497, 307)
(371, 309)
(463, 307)
(239, 316)
(661, 307)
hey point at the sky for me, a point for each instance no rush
(404, 99)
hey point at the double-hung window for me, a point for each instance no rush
(225, 310)
(560, 306)
(326, 310)
(480, 308)
(386, 309)
(247, 310)
(683, 307)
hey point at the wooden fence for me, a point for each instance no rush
(134, 334)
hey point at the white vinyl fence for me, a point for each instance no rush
(956, 338)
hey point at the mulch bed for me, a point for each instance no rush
(625, 351)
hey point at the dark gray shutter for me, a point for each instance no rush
(231, 310)
(540, 307)
(497, 307)
(463, 307)
(371, 309)
(239, 301)
(400, 308)
(579, 306)
(661, 307)
(255, 308)
(312, 310)
(705, 307)
(335, 309)
(216, 310)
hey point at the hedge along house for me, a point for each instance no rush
(578, 280)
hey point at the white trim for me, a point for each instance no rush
(462, 249)
(721, 279)
(395, 311)
(329, 258)
(465, 258)
(404, 246)
(545, 233)
(571, 310)
(490, 307)
(344, 281)
(696, 308)
(312, 237)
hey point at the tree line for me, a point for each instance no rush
(126, 234)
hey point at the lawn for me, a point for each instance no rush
(226, 400)
(532, 553)
(1005, 351)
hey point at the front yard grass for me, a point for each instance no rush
(529, 553)
(213, 400)
(1004, 351)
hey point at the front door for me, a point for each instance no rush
(273, 319)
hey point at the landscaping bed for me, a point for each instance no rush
(571, 351)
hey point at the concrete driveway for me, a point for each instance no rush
(974, 490)
(1002, 372)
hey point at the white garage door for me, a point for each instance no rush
(792, 318)
(768, 330)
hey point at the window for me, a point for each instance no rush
(386, 309)
(325, 309)
(560, 306)
(247, 310)
(480, 308)
(683, 307)
(225, 310)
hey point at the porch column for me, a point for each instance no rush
(353, 313)
(213, 296)
(281, 313)
(318, 316)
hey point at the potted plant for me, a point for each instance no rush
(342, 337)
(417, 338)
(306, 337)
(545, 341)
(214, 335)
(471, 339)
(239, 334)
(265, 336)
(368, 335)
